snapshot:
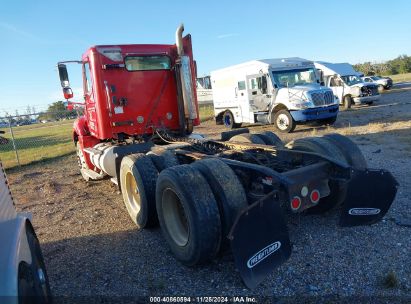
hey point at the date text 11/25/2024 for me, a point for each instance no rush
(222, 299)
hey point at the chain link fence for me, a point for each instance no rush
(36, 137)
(31, 138)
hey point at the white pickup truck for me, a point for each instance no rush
(23, 277)
(284, 92)
(346, 84)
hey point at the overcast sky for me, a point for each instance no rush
(34, 35)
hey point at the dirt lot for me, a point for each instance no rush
(92, 247)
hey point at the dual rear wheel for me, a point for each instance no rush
(195, 205)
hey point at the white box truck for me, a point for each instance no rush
(284, 92)
(204, 91)
(346, 83)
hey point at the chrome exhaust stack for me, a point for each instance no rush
(186, 82)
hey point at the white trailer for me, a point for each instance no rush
(347, 84)
(280, 91)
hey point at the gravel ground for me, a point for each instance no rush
(91, 247)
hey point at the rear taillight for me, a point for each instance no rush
(315, 196)
(295, 203)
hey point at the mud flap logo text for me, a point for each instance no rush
(262, 254)
(364, 211)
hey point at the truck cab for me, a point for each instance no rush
(347, 84)
(131, 91)
(283, 92)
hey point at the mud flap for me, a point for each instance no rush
(369, 196)
(259, 240)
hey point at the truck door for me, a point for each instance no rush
(243, 102)
(258, 94)
(337, 86)
(90, 109)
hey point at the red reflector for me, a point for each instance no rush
(295, 203)
(315, 196)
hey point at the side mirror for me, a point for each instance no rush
(67, 92)
(64, 79)
(322, 83)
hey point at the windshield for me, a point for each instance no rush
(375, 78)
(351, 79)
(147, 63)
(290, 78)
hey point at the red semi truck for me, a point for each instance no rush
(209, 195)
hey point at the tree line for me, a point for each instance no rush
(399, 65)
(55, 111)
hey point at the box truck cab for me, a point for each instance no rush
(283, 92)
(204, 91)
(346, 84)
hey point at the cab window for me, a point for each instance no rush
(147, 63)
(88, 81)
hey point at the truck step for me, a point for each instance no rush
(93, 175)
(93, 151)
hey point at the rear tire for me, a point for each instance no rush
(228, 192)
(284, 122)
(228, 120)
(347, 102)
(188, 215)
(349, 149)
(270, 139)
(248, 138)
(138, 177)
(163, 160)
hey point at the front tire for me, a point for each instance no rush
(347, 102)
(82, 162)
(284, 122)
(33, 282)
(329, 121)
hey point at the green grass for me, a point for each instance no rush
(37, 142)
(401, 77)
(206, 112)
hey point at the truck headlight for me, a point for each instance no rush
(303, 105)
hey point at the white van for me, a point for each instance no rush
(347, 84)
(283, 92)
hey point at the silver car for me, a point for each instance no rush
(23, 276)
(383, 83)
